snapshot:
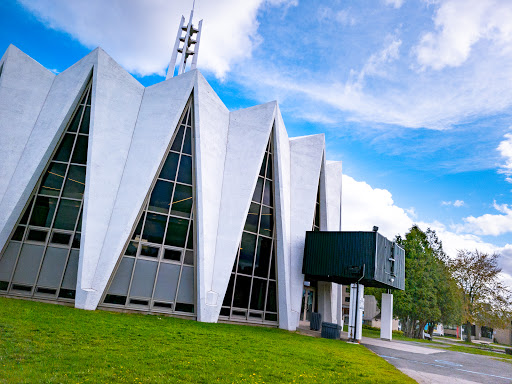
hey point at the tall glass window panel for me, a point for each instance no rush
(156, 272)
(251, 295)
(316, 218)
(41, 257)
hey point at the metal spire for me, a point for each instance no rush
(185, 50)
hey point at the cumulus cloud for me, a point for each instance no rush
(460, 24)
(365, 206)
(505, 150)
(343, 16)
(488, 224)
(140, 36)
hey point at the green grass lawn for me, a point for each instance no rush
(46, 343)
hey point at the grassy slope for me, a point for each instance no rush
(50, 343)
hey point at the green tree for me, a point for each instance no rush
(431, 295)
(486, 299)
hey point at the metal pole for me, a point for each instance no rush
(354, 336)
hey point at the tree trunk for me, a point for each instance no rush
(431, 330)
(468, 332)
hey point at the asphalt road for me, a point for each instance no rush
(431, 365)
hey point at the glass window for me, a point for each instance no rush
(251, 223)
(73, 127)
(259, 292)
(44, 209)
(182, 201)
(267, 195)
(84, 128)
(172, 254)
(60, 238)
(242, 292)
(75, 182)
(67, 214)
(149, 251)
(176, 145)
(80, 151)
(258, 190)
(176, 232)
(52, 179)
(154, 228)
(246, 257)
(65, 148)
(170, 166)
(185, 172)
(161, 197)
(187, 144)
(263, 254)
(267, 221)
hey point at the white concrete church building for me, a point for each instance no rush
(158, 199)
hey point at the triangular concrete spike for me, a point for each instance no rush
(161, 108)
(306, 155)
(248, 135)
(116, 99)
(211, 123)
(58, 107)
(282, 180)
(24, 84)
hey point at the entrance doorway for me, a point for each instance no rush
(308, 304)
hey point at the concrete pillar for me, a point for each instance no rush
(339, 306)
(386, 316)
(356, 307)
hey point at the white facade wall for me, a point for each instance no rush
(131, 128)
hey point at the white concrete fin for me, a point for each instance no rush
(211, 123)
(60, 103)
(24, 84)
(306, 154)
(116, 98)
(282, 182)
(248, 135)
(333, 177)
(159, 115)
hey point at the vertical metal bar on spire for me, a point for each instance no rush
(183, 63)
(196, 48)
(185, 50)
(172, 63)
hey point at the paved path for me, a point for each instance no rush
(431, 365)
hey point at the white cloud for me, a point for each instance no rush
(505, 150)
(364, 207)
(394, 3)
(456, 203)
(460, 24)
(343, 16)
(140, 35)
(488, 224)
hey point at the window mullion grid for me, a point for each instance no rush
(57, 206)
(25, 233)
(70, 246)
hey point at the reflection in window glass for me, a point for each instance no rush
(56, 203)
(251, 293)
(164, 276)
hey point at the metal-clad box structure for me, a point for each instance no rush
(339, 257)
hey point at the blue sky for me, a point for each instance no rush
(413, 96)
